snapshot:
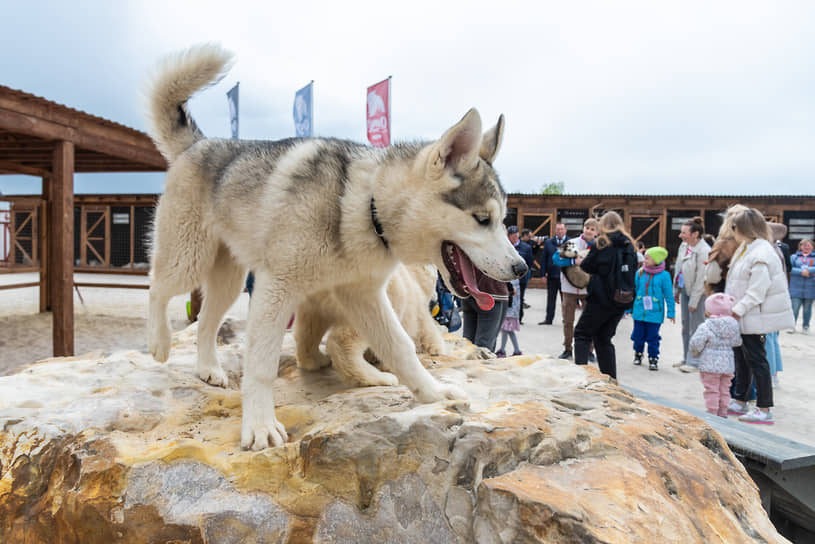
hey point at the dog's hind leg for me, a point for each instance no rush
(222, 286)
(347, 350)
(310, 324)
(373, 315)
(182, 252)
(269, 312)
(165, 283)
(158, 323)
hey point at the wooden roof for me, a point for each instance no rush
(30, 127)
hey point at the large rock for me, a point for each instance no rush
(123, 449)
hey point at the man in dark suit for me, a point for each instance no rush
(550, 272)
(528, 239)
(525, 251)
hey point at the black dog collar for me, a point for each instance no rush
(378, 225)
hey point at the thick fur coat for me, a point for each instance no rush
(410, 290)
(313, 218)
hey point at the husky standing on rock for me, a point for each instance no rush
(234, 205)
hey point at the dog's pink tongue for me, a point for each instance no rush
(484, 300)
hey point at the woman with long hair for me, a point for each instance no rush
(757, 282)
(721, 252)
(612, 262)
(689, 284)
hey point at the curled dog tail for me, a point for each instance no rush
(179, 77)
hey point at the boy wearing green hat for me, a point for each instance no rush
(654, 294)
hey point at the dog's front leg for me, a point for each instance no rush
(269, 312)
(374, 317)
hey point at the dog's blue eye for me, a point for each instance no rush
(483, 220)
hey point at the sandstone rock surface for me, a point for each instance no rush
(122, 449)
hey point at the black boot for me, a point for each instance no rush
(652, 363)
(637, 358)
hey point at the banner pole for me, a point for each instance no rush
(311, 106)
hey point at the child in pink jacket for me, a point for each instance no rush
(713, 344)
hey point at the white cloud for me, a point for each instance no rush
(639, 97)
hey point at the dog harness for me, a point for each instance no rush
(378, 225)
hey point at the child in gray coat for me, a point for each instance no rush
(713, 344)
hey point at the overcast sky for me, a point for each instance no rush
(606, 97)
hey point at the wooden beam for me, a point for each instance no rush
(90, 135)
(11, 166)
(19, 285)
(112, 285)
(647, 230)
(62, 266)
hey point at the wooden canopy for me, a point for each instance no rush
(51, 141)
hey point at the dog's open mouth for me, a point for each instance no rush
(464, 275)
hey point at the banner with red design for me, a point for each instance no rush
(379, 113)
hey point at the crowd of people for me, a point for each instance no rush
(735, 293)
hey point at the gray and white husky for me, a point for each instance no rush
(312, 215)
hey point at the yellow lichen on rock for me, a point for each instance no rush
(123, 449)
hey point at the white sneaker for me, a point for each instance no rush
(776, 381)
(736, 409)
(678, 364)
(791, 331)
(756, 415)
(805, 330)
(688, 368)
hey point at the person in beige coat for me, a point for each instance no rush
(689, 285)
(757, 282)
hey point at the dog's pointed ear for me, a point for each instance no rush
(491, 142)
(459, 146)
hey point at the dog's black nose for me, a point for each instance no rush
(519, 269)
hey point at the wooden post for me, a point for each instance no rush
(107, 237)
(62, 244)
(45, 302)
(132, 236)
(627, 220)
(663, 228)
(83, 235)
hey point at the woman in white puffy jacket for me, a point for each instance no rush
(759, 286)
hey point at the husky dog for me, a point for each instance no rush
(410, 289)
(312, 217)
(576, 275)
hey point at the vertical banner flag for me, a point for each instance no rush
(304, 111)
(232, 98)
(379, 113)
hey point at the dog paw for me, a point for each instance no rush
(315, 361)
(452, 392)
(441, 391)
(381, 378)
(214, 376)
(159, 343)
(261, 435)
(436, 349)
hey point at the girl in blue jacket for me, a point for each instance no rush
(654, 294)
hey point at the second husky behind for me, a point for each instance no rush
(308, 215)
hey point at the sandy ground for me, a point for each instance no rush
(112, 319)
